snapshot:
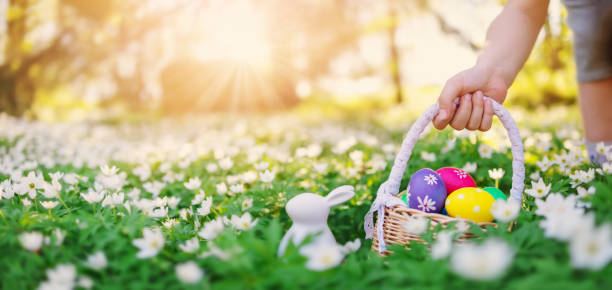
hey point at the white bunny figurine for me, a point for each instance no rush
(309, 213)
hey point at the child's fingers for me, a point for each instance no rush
(447, 103)
(487, 116)
(477, 109)
(463, 113)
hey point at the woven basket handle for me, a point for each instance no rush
(518, 160)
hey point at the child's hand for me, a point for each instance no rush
(472, 111)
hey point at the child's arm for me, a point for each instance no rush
(510, 39)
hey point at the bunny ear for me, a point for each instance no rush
(340, 195)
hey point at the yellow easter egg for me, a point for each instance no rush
(472, 203)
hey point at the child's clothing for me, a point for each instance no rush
(591, 51)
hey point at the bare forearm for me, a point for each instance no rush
(511, 37)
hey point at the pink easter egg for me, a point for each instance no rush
(455, 178)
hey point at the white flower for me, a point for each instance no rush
(29, 185)
(143, 172)
(247, 203)
(211, 167)
(320, 167)
(243, 222)
(198, 198)
(31, 241)
(543, 164)
(562, 227)
(170, 223)
(535, 175)
(85, 282)
(426, 204)
(92, 196)
(58, 235)
(485, 151)
(26, 202)
(606, 167)
(582, 192)
(193, 183)
(205, 206)
(592, 250)
(216, 252)
(185, 212)
(226, 163)
(266, 176)
(63, 276)
(496, 173)
(430, 179)
(322, 256)
(462, 226)
(189, 272)
(539, 189)
(96, 261)
(556, 204)
(441, 248)
(154, 187)
(481, 262)
(505, 210)
(109, 171)
(150, 244)
(351, 246)
(190, 246)
(356, 156)
(71, 178)
(113, 200)
(211, 229)
(159, 212)
(237, 188)
(431, 157)
(261, 166)
(249, 176)
(470, 167)
(415, 225)
(173, 201)
(221, 188)
(49, 204)
(51, 191)
(450, 144)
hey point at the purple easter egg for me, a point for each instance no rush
(426, 191)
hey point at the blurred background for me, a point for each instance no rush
(91, 59)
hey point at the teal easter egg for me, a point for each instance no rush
(496, 193)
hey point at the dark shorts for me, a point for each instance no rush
(591, 23)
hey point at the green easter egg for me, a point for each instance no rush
(496, 193)
(405, 199)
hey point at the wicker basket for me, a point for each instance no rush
(391, 210)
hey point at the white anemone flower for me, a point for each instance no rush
(96, 261)
(505, 210)
(482, 262)
(322, 256)
(592, 250)
(243, 222)
(211, 229)
(538, 189)
(193, 183)
(189, 272)
(415, 225)
(190, 246)
(150, 244)
(31, 241)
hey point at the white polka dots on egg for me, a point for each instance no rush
(476, 208)
(447, 201)
(478, 190)
(460, 196)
